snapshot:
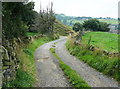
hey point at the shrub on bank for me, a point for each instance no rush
(102, 63)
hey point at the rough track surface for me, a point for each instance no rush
(48, 72)
(50, 75)
(90, 75)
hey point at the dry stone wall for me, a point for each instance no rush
(9, 58)
(93, 48)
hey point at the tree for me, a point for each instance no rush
(95, 25)
(103, 26)
(45, 20)
(77, 27)
(92, 24)
(119, 26)
(51, 18)
(29, 14)
(16, 19)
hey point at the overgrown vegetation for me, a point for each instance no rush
(102, 63)
(74, 78)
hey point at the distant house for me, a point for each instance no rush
(114, 28)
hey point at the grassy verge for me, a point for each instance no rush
(104, 64)
(31, 33)
(26, 74)
(61, 29)
(74, 79)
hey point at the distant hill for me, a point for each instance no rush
(70, 20)
(61, 29)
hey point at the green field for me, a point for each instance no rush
(109, 21)
(101, 20)
(103, 40)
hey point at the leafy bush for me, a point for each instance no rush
(77, 27)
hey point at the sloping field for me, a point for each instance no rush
(103, 40)
(61, 28)
(109, 21)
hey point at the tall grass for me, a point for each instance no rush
(102, 63)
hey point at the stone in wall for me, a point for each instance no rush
(9, 61)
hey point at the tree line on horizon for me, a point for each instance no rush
(91, 25)
(70, 20)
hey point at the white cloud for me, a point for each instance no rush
(94, 8)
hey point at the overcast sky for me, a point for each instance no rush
(93, 8)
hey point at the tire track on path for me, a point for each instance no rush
(48, 72)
